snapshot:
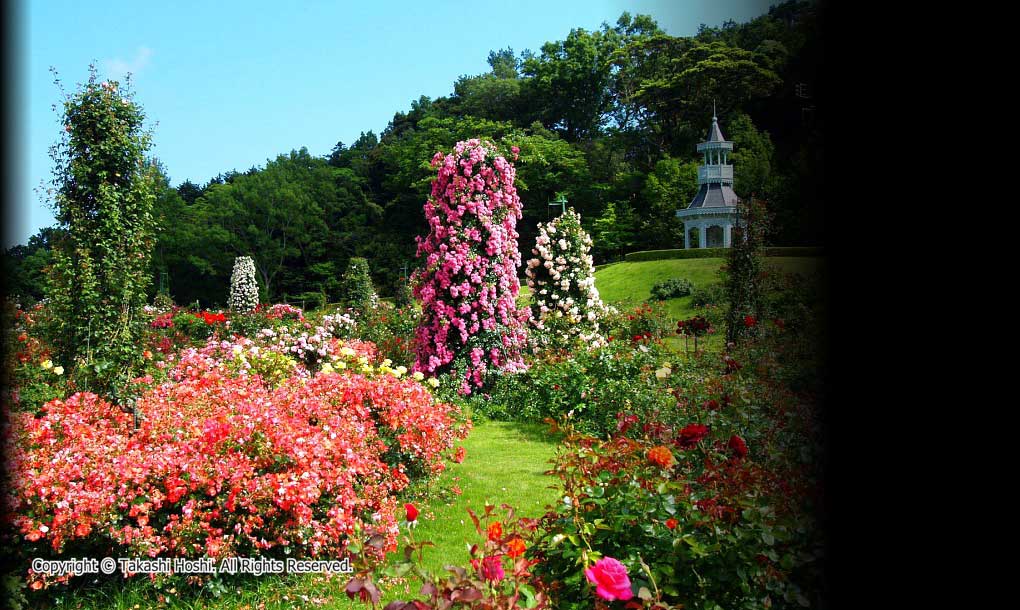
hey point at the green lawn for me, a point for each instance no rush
(629, 284)
(626, 284)
(504, 463)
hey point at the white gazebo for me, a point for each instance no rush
(713, 211)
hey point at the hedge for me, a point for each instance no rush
(659, 255)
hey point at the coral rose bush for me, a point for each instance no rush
(223, 464)
(468, 285)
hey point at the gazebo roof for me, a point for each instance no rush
(714, 196)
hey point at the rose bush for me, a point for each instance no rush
(470, 322)
(223, 463)
(561, 277)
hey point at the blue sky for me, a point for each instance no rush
(227, 85)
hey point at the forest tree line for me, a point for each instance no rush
(610, 118)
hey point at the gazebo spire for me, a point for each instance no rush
(714, 133)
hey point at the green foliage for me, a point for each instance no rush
(392, 330)
(670, 187)
(615, 230)
(402, 292)
(672, 288)
(587, 388)
(752, 157)
(104, 193)
(358, 292)
(688, 77)
(24, 267)
(711, 294)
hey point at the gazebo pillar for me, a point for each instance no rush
(727, 229)
(687, 236)
(703, 236)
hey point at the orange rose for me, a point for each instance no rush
(661, 456)
(495, 531)
(516, 547)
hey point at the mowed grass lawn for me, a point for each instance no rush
(505, 463)
(629, 284)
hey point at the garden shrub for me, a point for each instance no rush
(672, 288)
(100, 274)
(561, 277)
(588, 388)
(200, 325)
(392, 330)
(498, 573)
(224, 464)
(710, 294)
(646, 322)
(163, 302)
(402, 296)
(691, 515)
(358, 292)
(244, 290)
(34, 379)
(467, 285)
(715, 495)
(744, 273)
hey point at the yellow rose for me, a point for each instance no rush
(433, 382)
(47, 364)
(59, 370)
(418, 376)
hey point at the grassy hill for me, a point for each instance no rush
(628, 284)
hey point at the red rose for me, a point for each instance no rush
(750, 321)
(671, 524)
(738, 446)
(624, 422)
(691, 435)
(412, 512)
(610, 579)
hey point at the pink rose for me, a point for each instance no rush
(610, 579)
(492, 568)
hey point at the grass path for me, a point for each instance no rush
(504, 464)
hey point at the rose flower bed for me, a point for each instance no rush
(222, 464)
